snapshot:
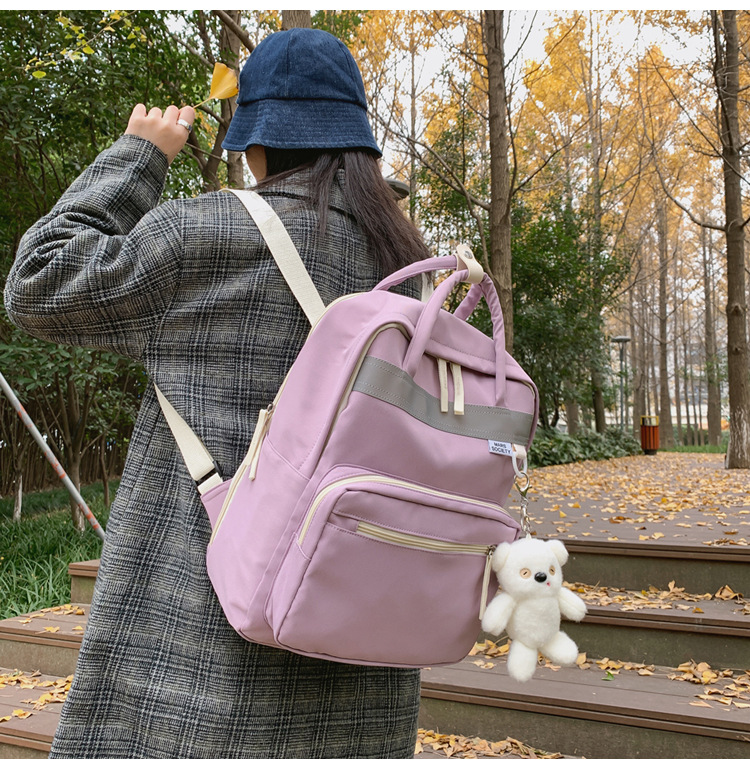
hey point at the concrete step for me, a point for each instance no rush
(82, 578)
(606, 710)
(30, 705)
(665, 627)
(46, 640)
(633, 565)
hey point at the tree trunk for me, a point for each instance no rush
(703, 429)
(653, 384)
(595, 232)
(597, 396)
(290, 19)
(638, 358)
(728, 88)
(666, 430)
(712, 368)
(18, 496)
(67, 432)
(690, 439)
(696, 419)
(572, 413)
(104, 473)
(74, 473)
(413, 127)
(675, 358)
(230, 51)
(500, 259)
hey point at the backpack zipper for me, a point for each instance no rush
(389, 482)
(422, 543)
(409, 539)
(353, 376)
(249, 464)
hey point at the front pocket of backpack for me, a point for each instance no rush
(389, 573)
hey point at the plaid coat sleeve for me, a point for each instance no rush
(93, 272)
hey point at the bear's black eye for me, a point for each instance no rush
(525, 573)
(552, 570)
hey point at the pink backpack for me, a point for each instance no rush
(360, 526)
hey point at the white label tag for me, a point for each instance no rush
(504, 449)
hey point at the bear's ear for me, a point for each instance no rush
(500, 556)
(559, 550)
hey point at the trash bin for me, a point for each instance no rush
(650, 434)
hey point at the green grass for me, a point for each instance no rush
(698, 449)
(685, 448)
(36, 551)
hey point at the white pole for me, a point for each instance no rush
(51, 458)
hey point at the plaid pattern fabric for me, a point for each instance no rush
(190, 289)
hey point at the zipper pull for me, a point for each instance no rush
(458, 389)
(261, 429)
(486, 581)
(443, 376)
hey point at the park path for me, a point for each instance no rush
(680, 498)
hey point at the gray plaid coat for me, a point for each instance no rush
(190, 290)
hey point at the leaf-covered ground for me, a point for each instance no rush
(675, 498)
(673, 597)
(42, 692)
(724, 688)
(453, 746)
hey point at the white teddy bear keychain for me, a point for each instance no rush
(533, 599)
(529, 607)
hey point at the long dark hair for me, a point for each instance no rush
(394, 240)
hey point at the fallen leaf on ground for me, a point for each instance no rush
(456, 746)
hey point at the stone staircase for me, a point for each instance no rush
(657, 682)
(634, 696)
(666, 669)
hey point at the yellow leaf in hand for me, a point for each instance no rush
(223, 84)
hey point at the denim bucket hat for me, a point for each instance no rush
(301, 89)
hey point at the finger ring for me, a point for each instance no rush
(188, 127)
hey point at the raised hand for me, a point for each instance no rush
(168, 131)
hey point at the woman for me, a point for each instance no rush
(189, 289)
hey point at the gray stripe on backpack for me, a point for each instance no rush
(389, 383)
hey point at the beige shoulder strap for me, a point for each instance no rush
(201, 466)
(200, 463)
(284, 252)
